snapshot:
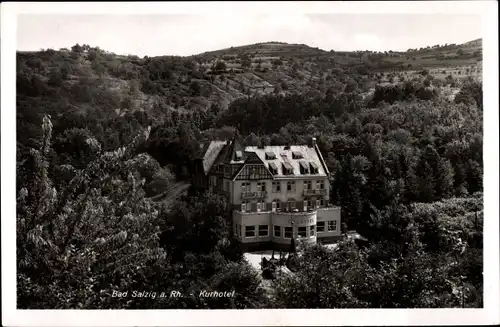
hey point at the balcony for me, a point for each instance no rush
(253, 195)
(314, 192)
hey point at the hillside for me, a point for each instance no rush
(129, 83)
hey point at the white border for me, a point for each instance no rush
(488, 315)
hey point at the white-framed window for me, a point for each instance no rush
(305, 205)
(312, 230)
(261, 206)
(290, 186)
(263, 230)
(288, 232)
(246, 187)
(249, 231)
(245, 206)
(273, 206)
(261, 186)
(277, 231)
(320, 185)
(276, 187)
(302, 231)
(307, 185)
(332, 225)
(320, 226)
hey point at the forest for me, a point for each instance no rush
(406, 164)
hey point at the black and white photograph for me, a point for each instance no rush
(181, 157)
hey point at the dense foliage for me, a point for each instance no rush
(103, 139)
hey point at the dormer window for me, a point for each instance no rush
(273, 168)
(314, 167)
(304, 168)
(287, 169)
(297, 155)
(239, 155)
(270, 156)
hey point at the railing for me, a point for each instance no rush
(253, 195)
(315, 192)
(295, 212)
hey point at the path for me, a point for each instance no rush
(176, 191)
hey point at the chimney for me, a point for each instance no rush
(313, 143)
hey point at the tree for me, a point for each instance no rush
(97, 232)
(220, 66)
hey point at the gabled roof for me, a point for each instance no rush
(284, 157)
(218, 152)
(212, 152)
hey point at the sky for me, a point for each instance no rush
(185, 34)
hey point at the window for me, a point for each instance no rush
(261, 186)
(261, 206)
(291, 205)
(273, 206)
(332, 225)
(236, 229)
(263, 230)
(296, 155)
(287, 169)
(311, 230)
(276, 187)
(278, 205)
(227, 186)
(320, 226)
(321, 203)
(239, 231)
(288, 232)
(314, 167)
(304, 168)
(290, 186)
(320, 185)
(246, 187)
(245, 206)
(307, 185)
(270, 156)
(302, 231)
(249, 231)
(277, 231)
(305, 205)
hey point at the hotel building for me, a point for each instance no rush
(274, 192)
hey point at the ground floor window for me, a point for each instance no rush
(312, 230)
(320, 226)
(249, 231)
(263, 230)
(332, 225)
(277, 231)
(302, 231)
(288, 232)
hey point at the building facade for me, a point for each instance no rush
(275, 192)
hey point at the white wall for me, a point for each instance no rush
(329, 214)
